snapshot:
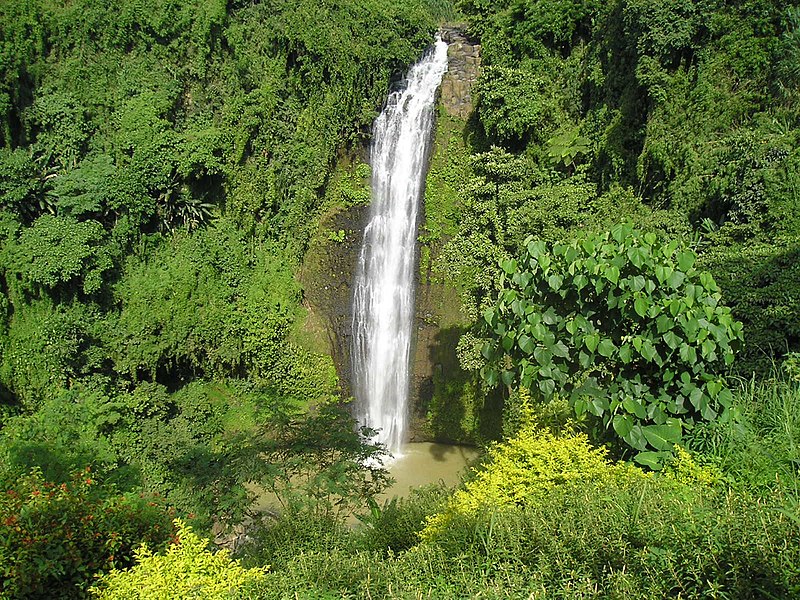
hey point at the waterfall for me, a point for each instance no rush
(383, 301)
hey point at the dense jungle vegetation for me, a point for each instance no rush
(619, 218)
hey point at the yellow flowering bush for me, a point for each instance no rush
(525, 467)
(684, 469)
(187, 570)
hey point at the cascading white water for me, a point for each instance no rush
(383, 302)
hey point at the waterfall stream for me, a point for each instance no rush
(383, 301)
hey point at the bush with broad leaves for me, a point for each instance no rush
(622, 325)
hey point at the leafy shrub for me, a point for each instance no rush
(525, 468)
(683, 467)
(48, 345)
(624, 326)
(55, 538)
(187, 570)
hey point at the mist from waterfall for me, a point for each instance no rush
(383, 302)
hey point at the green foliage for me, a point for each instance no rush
(565, 148)
(758, 450)
(213, 304)
(47, 346)
(337, 236)
(187, 569)
(450, 164)
(516, 106)
(760, 282)
(684, 106)
(791, 366)
(616, 533)
(396, 526)
(317, 464)
(59, 252)
(55, 538)
(621, 323)
(20, 183)
(63, 436)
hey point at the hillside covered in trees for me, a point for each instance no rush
(617, 224)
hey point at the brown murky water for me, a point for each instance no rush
(423, 463)
(420, 464)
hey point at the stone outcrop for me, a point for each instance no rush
(438, 321)
(463, 68)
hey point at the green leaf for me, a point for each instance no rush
(579, 405)
(509, 266)
(571, 326)
(547, 387)
(652, 460)
(598, 406)
(648, 350)
(625, 353)
(676, 279)
(696, 397)
(560, 349)
(664, 323)
(536, 248)
(542, 356)
(634, 407)
(708, 413)
(670, 248)
(688, 354)
(550, 317)
(622, 425)
(637, 256)
(663, 437)
(640, 305)
(554, 281)
(708, 349)
(620, 231)
(686, 260)
(606, 347)
(508, 341)
(526, 344)
(725, 397)
(707, 281)
(672, 340)
(591, 341)
(635, 438)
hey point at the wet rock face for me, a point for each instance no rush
(327, 278)
(463, 68)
